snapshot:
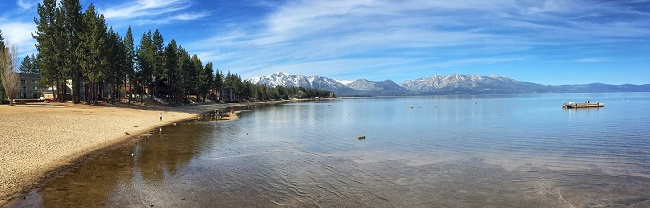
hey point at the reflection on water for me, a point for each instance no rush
(146, 165)
(447, 151)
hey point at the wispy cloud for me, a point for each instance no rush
(152, 11)
(300, 36)
(27, 4)
(349, 39)
(594, 59)
(142, 8)
(19, 34)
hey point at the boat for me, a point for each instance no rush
(583, 105)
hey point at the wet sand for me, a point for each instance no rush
(40, 139)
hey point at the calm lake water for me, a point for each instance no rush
(446, 151)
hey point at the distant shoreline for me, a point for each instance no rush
(45, 139)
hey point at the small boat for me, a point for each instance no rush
(583, 105)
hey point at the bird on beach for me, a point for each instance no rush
(127, 133)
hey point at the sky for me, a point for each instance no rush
(549, 42)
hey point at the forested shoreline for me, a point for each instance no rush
(79, 47)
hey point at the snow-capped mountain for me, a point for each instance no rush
(387, 87)
(345, 82)
(439, 84)
(472, 84)
(287, 80)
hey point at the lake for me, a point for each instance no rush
(445, 151)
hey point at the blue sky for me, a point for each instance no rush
(548, 42)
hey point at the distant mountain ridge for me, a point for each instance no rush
(387, 87)
(471, 84)
(438, 84)
(287, 80)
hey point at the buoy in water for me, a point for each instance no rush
(361, 137)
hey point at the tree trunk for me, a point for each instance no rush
(116, 90)
(60, 91)
(141, 94)
(65, 90)
(76, 91)
(87, 92)
(126, 84)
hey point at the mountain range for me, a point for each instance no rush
(439, 84)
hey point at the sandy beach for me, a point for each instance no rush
(39, 139)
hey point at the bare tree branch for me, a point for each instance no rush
(9, 61)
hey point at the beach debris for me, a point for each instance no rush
(361, 137)
(127, 133)
(174, 124)
(136, 126)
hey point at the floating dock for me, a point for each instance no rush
(583, 105)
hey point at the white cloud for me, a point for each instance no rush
(145, 12)
(188, 16)
(27, 4)
(144, 8)
(344, 36)
(19, 34)
(593, 59)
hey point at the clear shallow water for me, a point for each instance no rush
(447, 151)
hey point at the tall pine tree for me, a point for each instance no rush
(174, 84)
(91, 52)
(51, 46)
(145, 58)
(129, 67)
(72, 27)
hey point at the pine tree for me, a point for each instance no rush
(116, 64)
(72, 27)
(145, 58)
(199, 78)
(129, 67)
(50, 38)
(185, 75)
(26, 65)
(32, 60)
(174, 84)
(208, 81)
(91, 52)
(159, 54)
(218, 82)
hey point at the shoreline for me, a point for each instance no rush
(46, 139)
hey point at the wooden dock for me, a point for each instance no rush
(583, 105)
